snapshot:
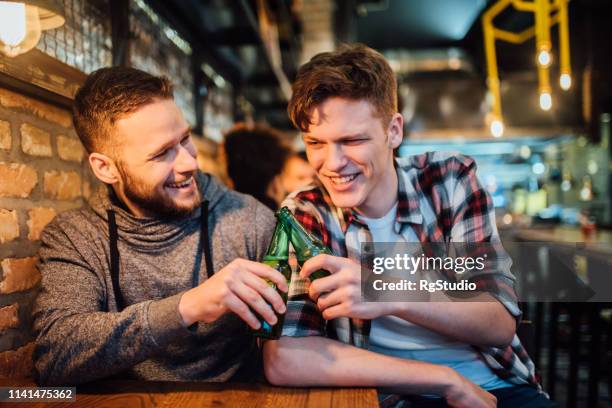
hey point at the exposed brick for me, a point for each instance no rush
(35, 141)
(19, 274)
(69, 149)
(86, 189)
(5, 135)
(38, 218)
(9, 225)
(17, 180)
(62, 185)
(9, 317)
(16, 101)
(17, 363)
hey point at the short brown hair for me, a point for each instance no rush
(353, 72)
(107, 95)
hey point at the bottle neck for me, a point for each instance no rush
(299, 235)
(279, 245)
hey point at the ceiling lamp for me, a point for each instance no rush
(22, 22)
(547, 13)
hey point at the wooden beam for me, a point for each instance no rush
(42, 76)
(120, 31)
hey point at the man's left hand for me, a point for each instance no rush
(339, 294)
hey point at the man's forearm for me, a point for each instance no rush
(319, 361)
(484, 323)
(74, 348)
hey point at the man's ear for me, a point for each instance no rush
(103, 167)
(395, 131)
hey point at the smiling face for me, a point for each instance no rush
(351, 149)
(156, 161)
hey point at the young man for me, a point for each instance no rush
(466, 353)
(156, 278)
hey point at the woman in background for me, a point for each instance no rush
(260, 162)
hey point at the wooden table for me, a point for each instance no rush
(122, 394)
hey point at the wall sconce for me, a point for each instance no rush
(22, 22)
(542, 10)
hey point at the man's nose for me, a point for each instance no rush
(335, 159)
(186, 160)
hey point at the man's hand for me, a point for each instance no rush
(240, 288)
(465, 394)
(339, 295)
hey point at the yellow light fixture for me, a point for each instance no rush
(565, 80)
(22, 22)
(547, 13)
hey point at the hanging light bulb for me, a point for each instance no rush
(544, 58)
(13, 23)
(545, 101)
(497, 128)
(21, 24)
(565, 81)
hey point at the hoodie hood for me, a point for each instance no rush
(156, 233)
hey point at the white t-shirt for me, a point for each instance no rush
(394, 336)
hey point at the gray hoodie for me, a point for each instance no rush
(81, 334)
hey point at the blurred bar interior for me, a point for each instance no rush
(525, 87)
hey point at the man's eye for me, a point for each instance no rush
(161, 154)
(312, 142)
(354, 141)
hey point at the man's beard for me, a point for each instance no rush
(154, 201)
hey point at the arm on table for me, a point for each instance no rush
(319, 361)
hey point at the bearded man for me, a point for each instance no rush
(155, 279)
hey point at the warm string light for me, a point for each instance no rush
(547, 13)
(565, 81)
(544, 58)
(497, 128)
(545, 101)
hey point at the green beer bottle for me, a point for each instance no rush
(304, 243)
(276, 257)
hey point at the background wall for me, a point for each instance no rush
(42, 172)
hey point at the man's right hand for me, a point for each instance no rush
(465, 394)
(240, 288)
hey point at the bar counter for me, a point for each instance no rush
(599, 242)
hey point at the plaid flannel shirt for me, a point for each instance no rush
(441, 199)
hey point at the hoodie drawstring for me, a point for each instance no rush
(114, 252)
(207, 247)
(114, 259)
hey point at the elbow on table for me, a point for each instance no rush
(276, 361)
(45, 376)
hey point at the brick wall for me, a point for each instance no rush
(42, 172)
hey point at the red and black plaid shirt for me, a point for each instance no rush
(441, 199)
